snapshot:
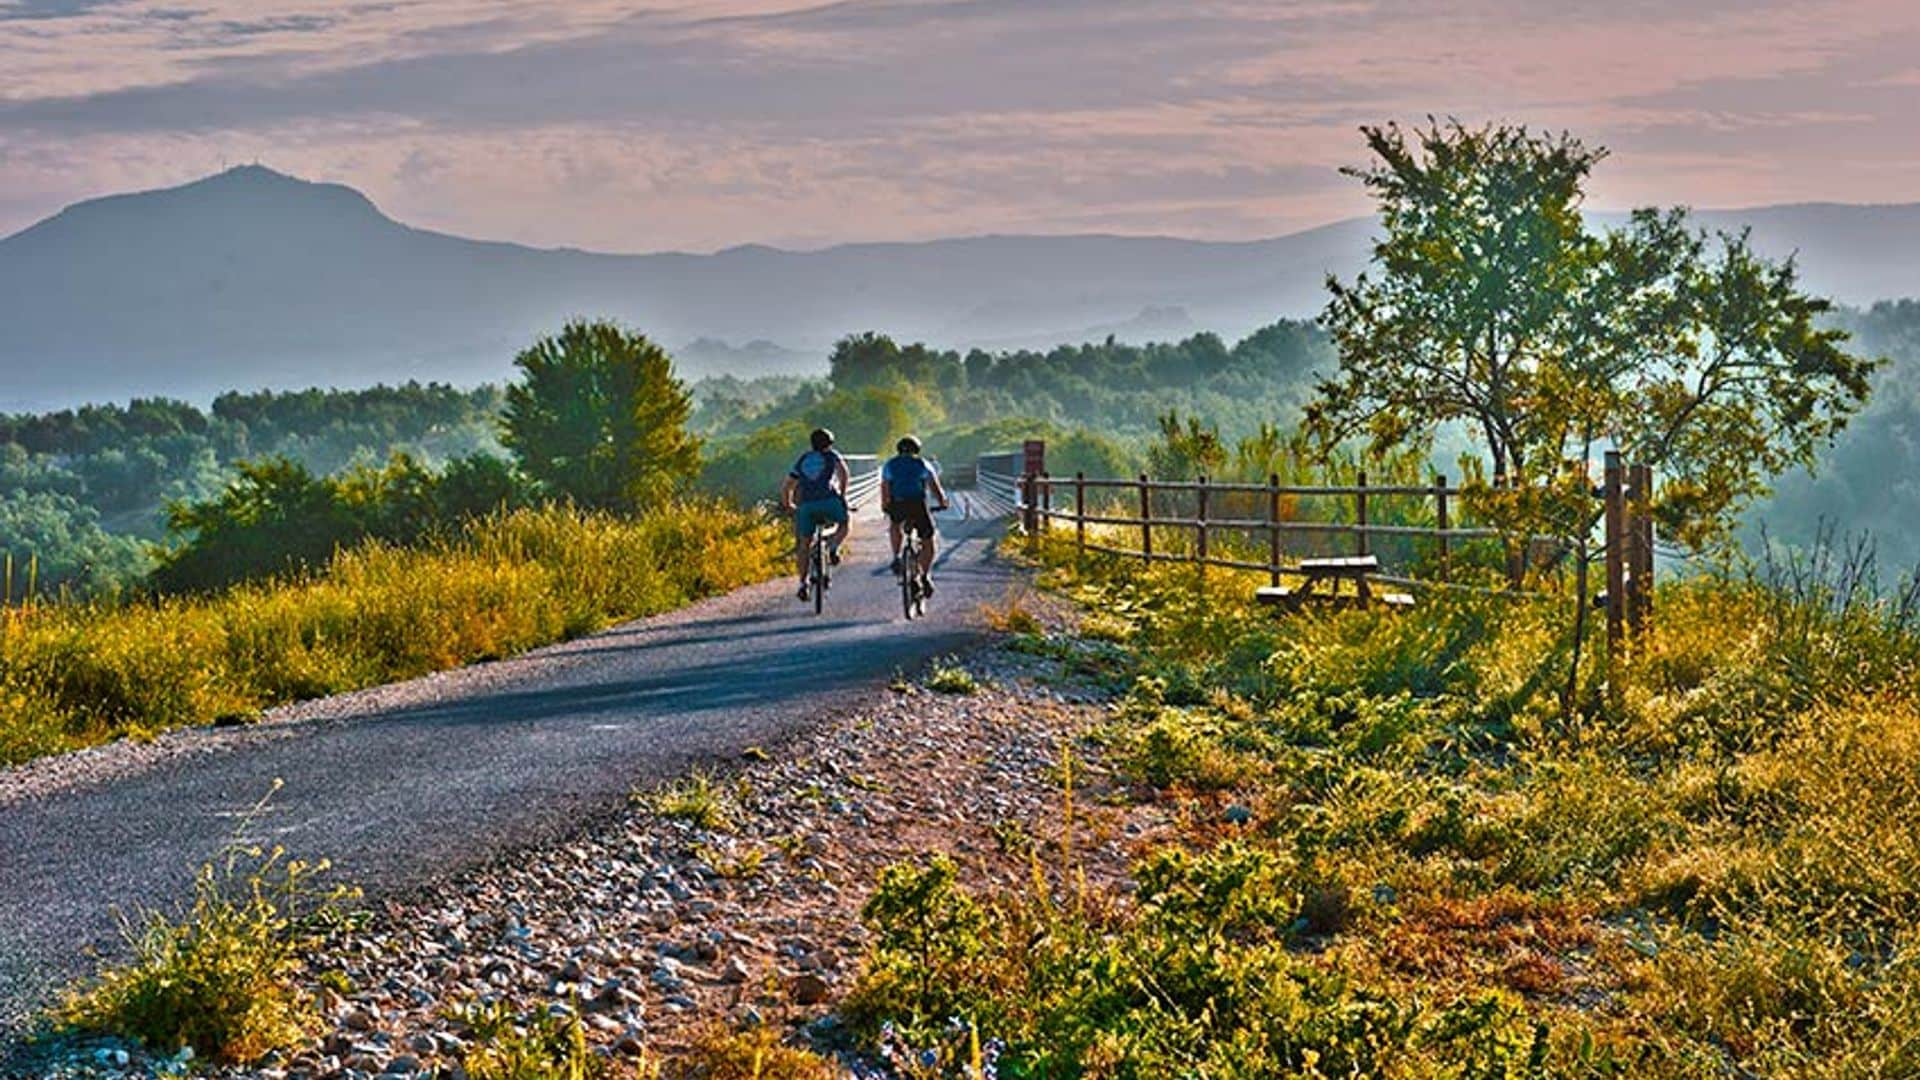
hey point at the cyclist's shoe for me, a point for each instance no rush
(833, 557)
(926, 586)
(804, 594)
(896, 566)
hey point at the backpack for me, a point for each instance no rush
(907, 477)
(816, 488)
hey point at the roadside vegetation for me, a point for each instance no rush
(79, 674)
(1463, 841)
(222, 980)
(1396, 854)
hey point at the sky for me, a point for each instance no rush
(696, 126)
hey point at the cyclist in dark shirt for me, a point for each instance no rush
(905, 481)
(816, 491)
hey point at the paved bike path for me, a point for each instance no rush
(403, 785)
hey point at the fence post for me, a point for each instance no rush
(1616, 562)
(1146, 519)
(1640, 550)
(1029, 507)
(1360, 507)
(1080, 512)
(1046, 502)
(1273, 528)
(1201, 524)
(1440, 521)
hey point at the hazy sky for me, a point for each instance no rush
(617, 125)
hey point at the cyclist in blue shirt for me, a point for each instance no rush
(905, 481)
(816, 491)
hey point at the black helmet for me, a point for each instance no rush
(908, 445)
(821, 438)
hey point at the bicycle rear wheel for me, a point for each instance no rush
(909, 587)
(819, 572)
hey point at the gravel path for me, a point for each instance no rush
(408, 786)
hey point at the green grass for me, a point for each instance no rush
(76, 675)
(1708, 871)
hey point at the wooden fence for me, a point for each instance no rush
(1046, 503)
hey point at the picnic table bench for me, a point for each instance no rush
(1330, 573)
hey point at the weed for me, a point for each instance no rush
(222, 976)
(537, 1045)
(699, 800)
(755, 1053)
(949, 677)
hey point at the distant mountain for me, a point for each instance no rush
(251, 278)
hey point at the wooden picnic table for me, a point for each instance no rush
(1330, 573)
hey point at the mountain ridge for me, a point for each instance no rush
(251, 277)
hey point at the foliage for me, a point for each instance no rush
(59, 543)
(85, 485)
(222, 977)
(1869, 480)
(598, 417)
(79, 674)
(276, 518)
(1440, 874)
(1494, 306)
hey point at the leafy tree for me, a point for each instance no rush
(1492, 305)
(275, 518)
(599, 417)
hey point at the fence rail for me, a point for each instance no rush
(1033, 498)
(1032, 495)
(863, 477)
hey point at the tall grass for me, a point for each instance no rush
(1438, 872)
(73, 675)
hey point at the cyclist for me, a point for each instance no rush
(905, 481)
(816, 491)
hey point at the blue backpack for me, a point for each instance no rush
(817, 487)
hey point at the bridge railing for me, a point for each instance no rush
(863, 478)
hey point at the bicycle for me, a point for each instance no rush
(913, 597)
(819, 568)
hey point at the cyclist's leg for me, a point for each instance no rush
(842, 525)
(923, 524)
(802, 540)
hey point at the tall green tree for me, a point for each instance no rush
(1491, 305)
(599, 418)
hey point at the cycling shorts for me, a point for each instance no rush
(912, 514)
(809, 516)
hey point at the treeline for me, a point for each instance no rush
(1099, 405)
(84, 492)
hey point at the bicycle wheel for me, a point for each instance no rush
(819, 572)
(909, 591)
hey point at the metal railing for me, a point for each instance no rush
(863, 478)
